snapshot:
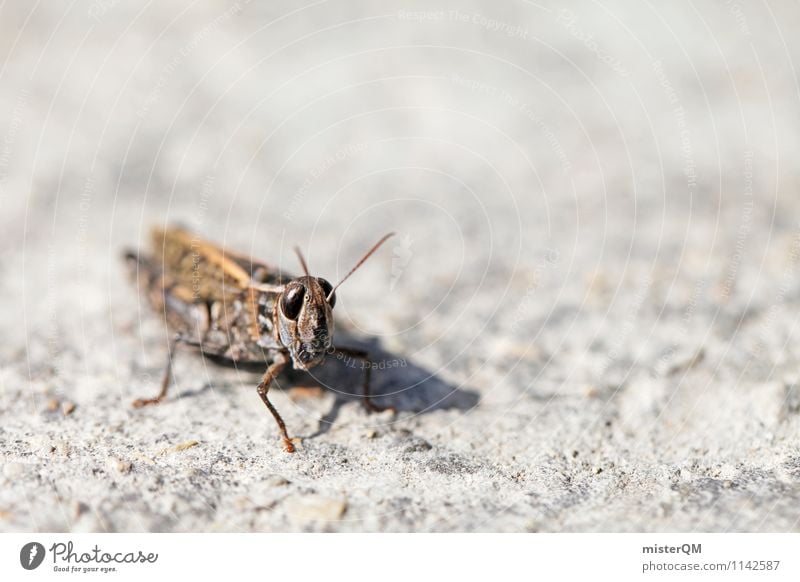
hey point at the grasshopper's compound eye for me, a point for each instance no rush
(292, 300)
(327, 288)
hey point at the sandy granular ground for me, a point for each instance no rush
(587, 321)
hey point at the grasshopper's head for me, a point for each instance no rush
(306, 320)
(305, 314)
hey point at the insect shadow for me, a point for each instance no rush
(395, 382)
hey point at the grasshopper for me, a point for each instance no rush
(239, 310)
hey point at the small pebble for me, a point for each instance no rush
(185, 445)
(315, 508)
(42, 445)
(305, 393)
(14, 470)
(276, 481)
(119, 465)
(178, 448)
(78, 509)
(144, 458)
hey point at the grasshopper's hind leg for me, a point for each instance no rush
(166, 379)
(263, 388)
(367, 400)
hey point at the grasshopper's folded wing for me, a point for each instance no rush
(208, 271)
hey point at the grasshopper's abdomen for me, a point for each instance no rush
(245, 326)
(238, 327)
(184, 316)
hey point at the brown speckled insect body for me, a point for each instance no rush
(235, 308)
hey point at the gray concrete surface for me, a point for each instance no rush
(591, 307)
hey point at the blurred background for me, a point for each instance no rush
(594, 286)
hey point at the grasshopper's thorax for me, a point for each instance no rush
(305, 320)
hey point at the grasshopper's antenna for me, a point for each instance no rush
(361, 262)
(302, 260)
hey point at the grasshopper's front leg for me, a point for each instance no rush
(263, 387)
(366, 396)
